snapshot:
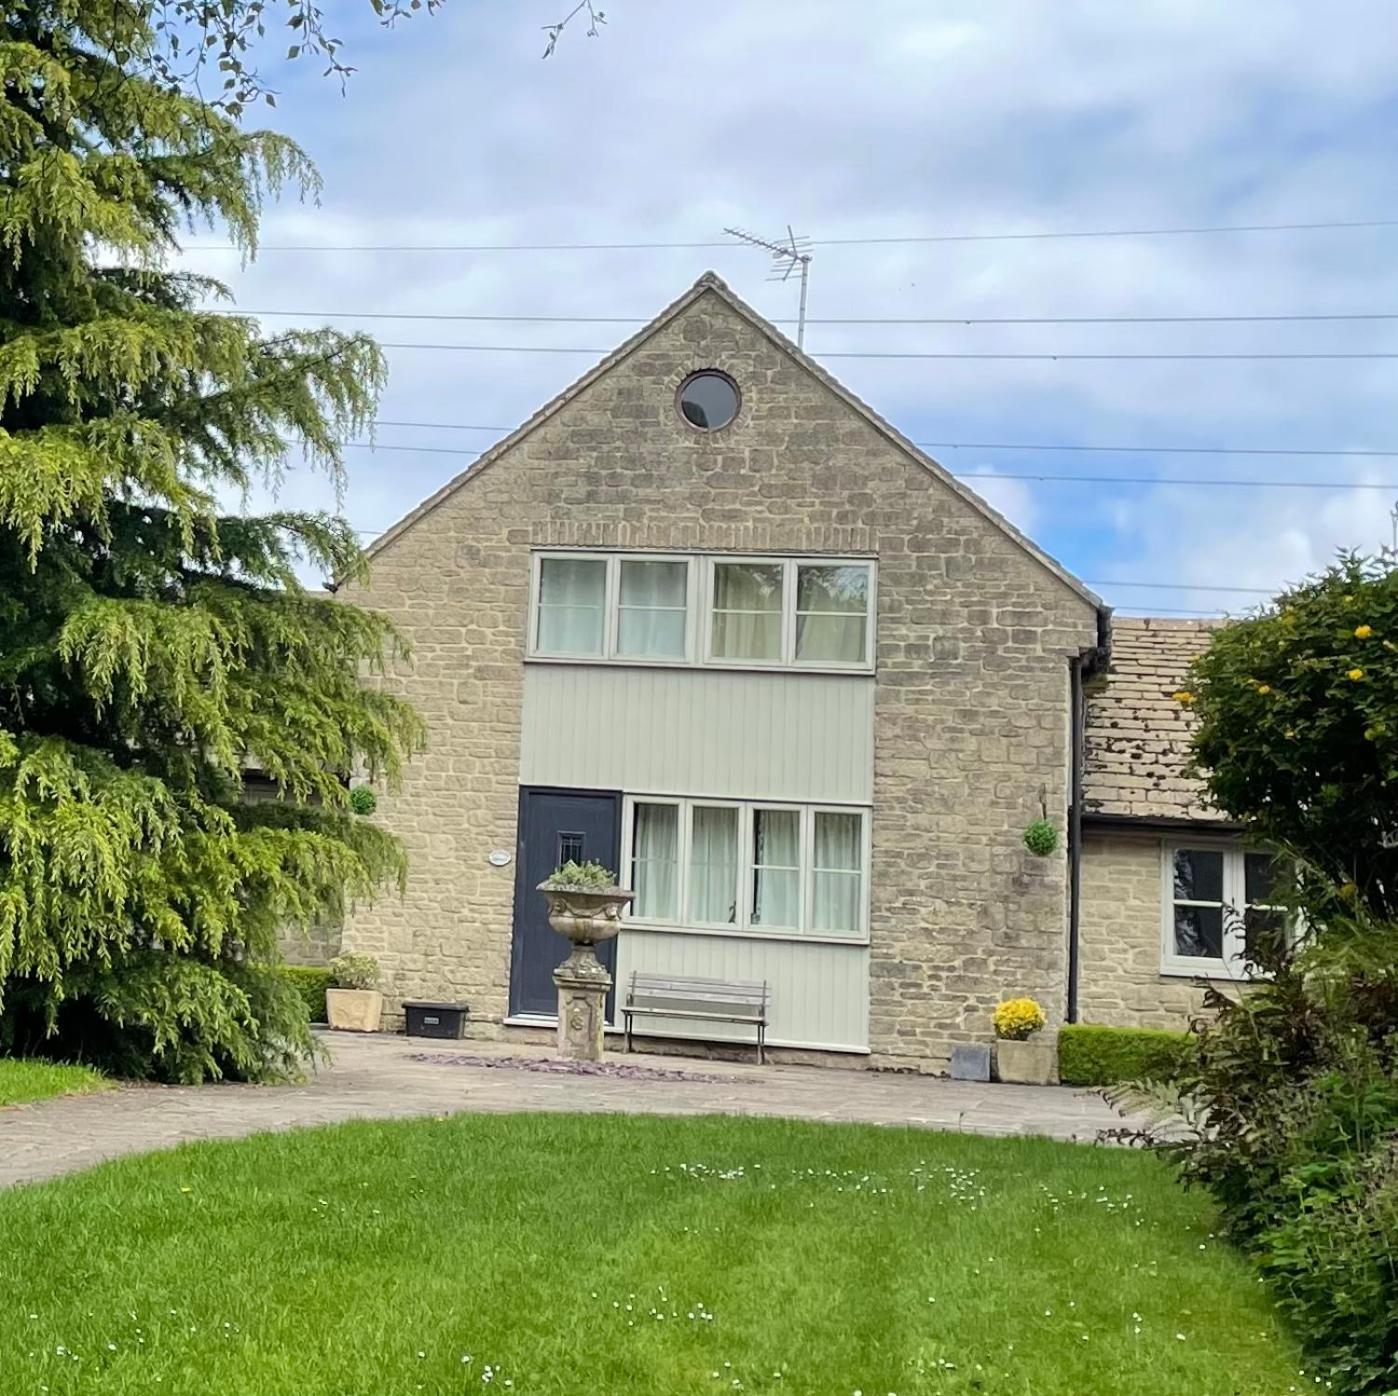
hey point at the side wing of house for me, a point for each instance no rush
(735, 638)
(1162, 872)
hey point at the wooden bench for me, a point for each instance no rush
(705, 1000)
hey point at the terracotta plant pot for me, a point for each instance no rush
(1032, 1062)
(354, 1010)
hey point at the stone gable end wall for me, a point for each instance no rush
(971, 707)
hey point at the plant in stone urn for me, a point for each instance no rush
(1019, 1056)
(354, 1002)
(585, 904)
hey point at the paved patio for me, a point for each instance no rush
(383, 1077)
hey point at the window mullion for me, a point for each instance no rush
(611, 603)
(789, 589)
(805, 861)
(536, 584)
(743, 920)
(690, 611)
(1235, 886)
(683, 852)
(706, 611)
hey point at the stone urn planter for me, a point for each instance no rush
(1032, 1062)
(587, 915)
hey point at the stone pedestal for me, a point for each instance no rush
(583, 983)
(585, 915)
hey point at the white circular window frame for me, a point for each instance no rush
(709, 370)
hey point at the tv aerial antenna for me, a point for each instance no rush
(793, 255)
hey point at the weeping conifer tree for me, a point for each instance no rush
(155, 644)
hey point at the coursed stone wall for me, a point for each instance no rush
(1120, 937)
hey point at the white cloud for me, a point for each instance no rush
(888, 118)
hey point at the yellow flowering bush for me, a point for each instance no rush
(1297, 725)
(1017, 1019)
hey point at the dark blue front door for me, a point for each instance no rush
(555, 826)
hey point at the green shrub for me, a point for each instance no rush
(591, 875)
(311, 982)
(1288, 1116)
(1090, 1055)
(354, 972)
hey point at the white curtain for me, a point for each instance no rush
(776, 868)
(838, 878)
(832, 605)
(651, 614)
(713, 865)
(655, 862)
(572, 605)
(747, 606)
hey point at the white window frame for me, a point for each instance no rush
(1235, 904)
(787, 655)
(804, 849)
(866, 849)
(614, 607)
(744, 926)
(699, 614)
(535, 606)
(740, 882)
(611, 605)
(628, 851)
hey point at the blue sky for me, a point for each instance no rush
(893, 118)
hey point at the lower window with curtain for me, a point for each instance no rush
(747, 867)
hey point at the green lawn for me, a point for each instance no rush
(646, 1256)
(23, 1081)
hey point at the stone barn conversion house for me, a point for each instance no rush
(708, 619)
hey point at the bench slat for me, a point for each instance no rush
(711, 1017)
(675, 1004)
(682, 981)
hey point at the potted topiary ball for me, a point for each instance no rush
(1020, 1055)
(354, 1003)
(1041, 838)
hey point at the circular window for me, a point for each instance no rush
(709, 400)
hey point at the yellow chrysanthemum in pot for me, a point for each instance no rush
(1018, 1019)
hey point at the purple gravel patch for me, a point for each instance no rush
(557, 1066)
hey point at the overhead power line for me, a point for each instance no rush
(906, 354)
(1300, 318)
(1089, 581)
(1174, 611)
(1016, 445)
(913, 238)
(1179, 586)
(1045, 476)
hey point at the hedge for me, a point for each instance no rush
(1092, 1055)
(311, 982)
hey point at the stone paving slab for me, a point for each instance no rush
(378, 1077)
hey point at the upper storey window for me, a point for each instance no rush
(708, 400)
(728, 612)
(572, 605)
